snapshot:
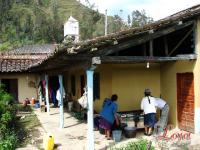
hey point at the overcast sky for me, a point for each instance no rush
(157, 9)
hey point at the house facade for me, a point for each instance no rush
(162, 56)
(14, 66)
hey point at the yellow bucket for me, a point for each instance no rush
(48, 142)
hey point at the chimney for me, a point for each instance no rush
(71, 28)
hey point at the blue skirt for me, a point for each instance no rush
(150, 119)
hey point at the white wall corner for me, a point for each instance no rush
(196, 120)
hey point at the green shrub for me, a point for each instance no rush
(136, 145)
(8, 139)
(5, 97)
(6, 118)
(9, 142)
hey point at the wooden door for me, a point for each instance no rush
(185, 101)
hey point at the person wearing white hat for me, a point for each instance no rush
(149, 107)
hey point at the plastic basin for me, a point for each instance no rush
(130, 132)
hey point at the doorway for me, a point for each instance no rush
(185, 101)
(82, 79)
(11, 86)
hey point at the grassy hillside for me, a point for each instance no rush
(41, 21)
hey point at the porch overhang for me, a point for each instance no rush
(63, 63)
(170, 39)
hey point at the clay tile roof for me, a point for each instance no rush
(33, 49)
(20, 59)
(13, 65)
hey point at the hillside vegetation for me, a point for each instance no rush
(41, 21)
(25, 22)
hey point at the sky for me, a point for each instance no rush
(157, 9)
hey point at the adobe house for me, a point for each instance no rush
(14, 66)
(162, 56)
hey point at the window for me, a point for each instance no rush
(96, 86)
(73, 85)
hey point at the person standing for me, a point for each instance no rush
(164, 107)
(109, 115)
(149, 107)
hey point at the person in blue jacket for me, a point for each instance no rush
(109, 115)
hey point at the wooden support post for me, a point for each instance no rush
(151, 48)
(47, 94)
(166, 46)
(40, 99)
(90, 132)
(60, 77)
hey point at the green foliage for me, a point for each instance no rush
(25, 22)
(5, 98)
(6, 118)
(8, 139)
(9, 142)
(41, 21)
(5, 46)
(141, 144)
(140, 18)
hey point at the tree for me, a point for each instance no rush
(90, 22)
(115, 24)
(139, 18)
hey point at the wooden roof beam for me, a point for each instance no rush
(137, 59)
(180, 42)
(139, 39)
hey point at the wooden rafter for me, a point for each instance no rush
(180, 42)
(141, 38)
